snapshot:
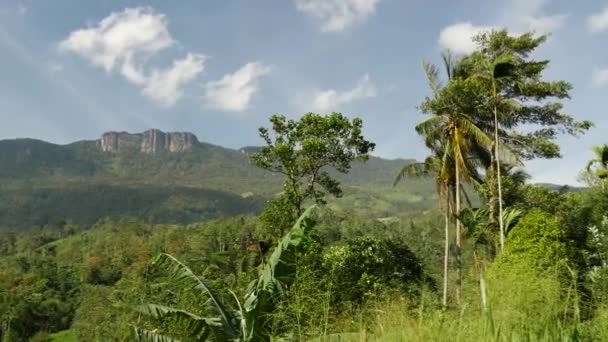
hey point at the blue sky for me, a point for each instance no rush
(220, 68)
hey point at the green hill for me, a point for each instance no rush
(124, 175)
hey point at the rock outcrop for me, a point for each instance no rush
(151, 142)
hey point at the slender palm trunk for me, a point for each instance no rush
(499, 182)
(458, 237)
(446, 252)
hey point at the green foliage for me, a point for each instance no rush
(63, 336)
(599, 165)
(533, 277)
(46, 184)
(362, 268)
(503, 75)
(302, 151)
(249, 321)
(277, 216)
(538, 239)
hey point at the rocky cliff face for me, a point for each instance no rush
(151, 141)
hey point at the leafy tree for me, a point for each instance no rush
(303, 150)
(511, 93)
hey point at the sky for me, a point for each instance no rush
(220, 69)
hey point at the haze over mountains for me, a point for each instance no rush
(167, 178)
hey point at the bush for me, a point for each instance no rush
(362, 267)
(530, 279)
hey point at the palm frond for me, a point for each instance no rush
(591, 163)
(184, 276)
(510, 218)
(193, 324)
(142, 335)
(448, 63)
(276, 274)
(432, 76)
(429, 125)
(477, 135)
(412, 170)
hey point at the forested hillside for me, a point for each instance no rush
(45, 183)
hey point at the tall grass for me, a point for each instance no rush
(509, 316)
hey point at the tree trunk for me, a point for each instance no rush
(446, 252)
(498, 182)
(458, 237)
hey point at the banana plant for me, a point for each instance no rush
(248, 322)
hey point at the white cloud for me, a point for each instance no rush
(527, 15)
(598, 22)
(546, 24)
(235, 91)
(458, 38)
(600, 76)
(518, 16)
(121, 38)
(166, 86)
(338, 15)
(124, 41)
(331, 99)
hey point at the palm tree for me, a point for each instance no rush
(491, 71)
(452, 130)
(599, 164)
(451, 135)
(437, 165)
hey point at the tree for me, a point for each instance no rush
(510, 93)
(450, 129)
(303, 150)
(436, 165)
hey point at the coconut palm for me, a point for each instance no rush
(451, 135)
(437, 165)
(451, 130)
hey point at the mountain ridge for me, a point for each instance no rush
(45, 183)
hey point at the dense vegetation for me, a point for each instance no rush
(44, 184)
(495, 259)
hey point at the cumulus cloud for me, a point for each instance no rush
(124, 41)
(234, 92)
(458, 38)
(338, 15)
(598, 22)
(121, 38)
(600, 76)
(166, 86)
(517, 15)
(331, 99)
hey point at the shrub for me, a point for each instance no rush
(364, 266)
(530, 280)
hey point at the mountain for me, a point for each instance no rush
(168, 178)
